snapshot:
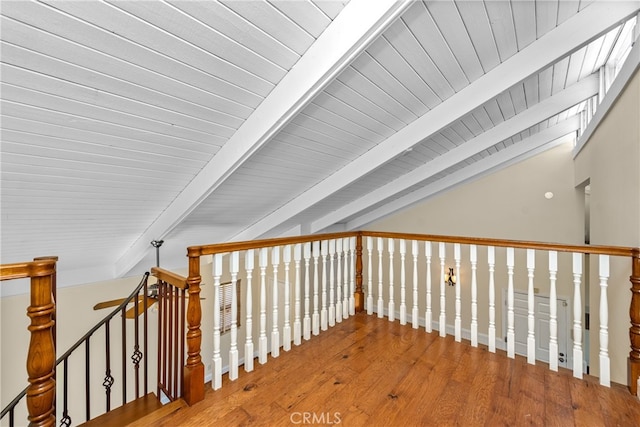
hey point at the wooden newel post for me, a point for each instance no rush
(634, 330)
(194, 368)
(41, 356)
(359, 296)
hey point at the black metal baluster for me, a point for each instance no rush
(160, 335)
(144, 348)
(87, 388)
(176, 345)
(136, 356)
(124, 356)
(169, 384)
(108, 379)
(66, 419)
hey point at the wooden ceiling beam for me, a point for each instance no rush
(565, 39)
(550, 107)
(554, 136)
(360, 22)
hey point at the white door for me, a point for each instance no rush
(541, 313)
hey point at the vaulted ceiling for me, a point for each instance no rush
(206, 121)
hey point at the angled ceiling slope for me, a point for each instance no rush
(547, 86)
(197, 122)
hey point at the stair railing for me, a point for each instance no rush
(41, 399)
(171, 332)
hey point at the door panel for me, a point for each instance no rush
(541, 312)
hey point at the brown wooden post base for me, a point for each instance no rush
(193, 390)
(193, 384)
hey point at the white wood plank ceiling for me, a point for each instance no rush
(204, 121)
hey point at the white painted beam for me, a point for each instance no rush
(556, 104)
(571, 35)
(554, 136)
(631, 64)
(360, 22)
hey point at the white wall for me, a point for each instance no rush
(508, 204)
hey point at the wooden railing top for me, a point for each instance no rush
(523, 244)
(171, 278)
(218, 248)
(22, 270)
(194, 251)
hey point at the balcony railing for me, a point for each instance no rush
(306, 284)
(299, 287)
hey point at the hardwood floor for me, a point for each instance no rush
(371, 372)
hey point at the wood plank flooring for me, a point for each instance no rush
(367, 371)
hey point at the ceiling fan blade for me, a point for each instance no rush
(112, 303)
(131, 313)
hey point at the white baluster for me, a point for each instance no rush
(234, 267)
(297, 324)
(403, 280)
(380, 300)
(577, 316)
(473, 257)
(275, 333)
(332, 283)
(216, 381)
(604, 322)
(531, 320)
(443, 300)
(491, 261)
(352, 293)
(553, 311)
(392, 307)
(315, 320)
(369, 276)
(428, 314)
(323, 311)
(262, 339)
(339, 281)
(286, 328)
(414, 309)
(248, 344)
(458, 319)
(306, 321)
(511, 334)
(345, 274)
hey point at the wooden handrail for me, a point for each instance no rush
(24, 270)
(623, 251)
(218, 248)
(169, 277)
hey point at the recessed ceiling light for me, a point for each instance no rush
(548, 195)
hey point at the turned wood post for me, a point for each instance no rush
(359, 296)
(54, 287)
(193, 383)
(634, 330)
(41, 357)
